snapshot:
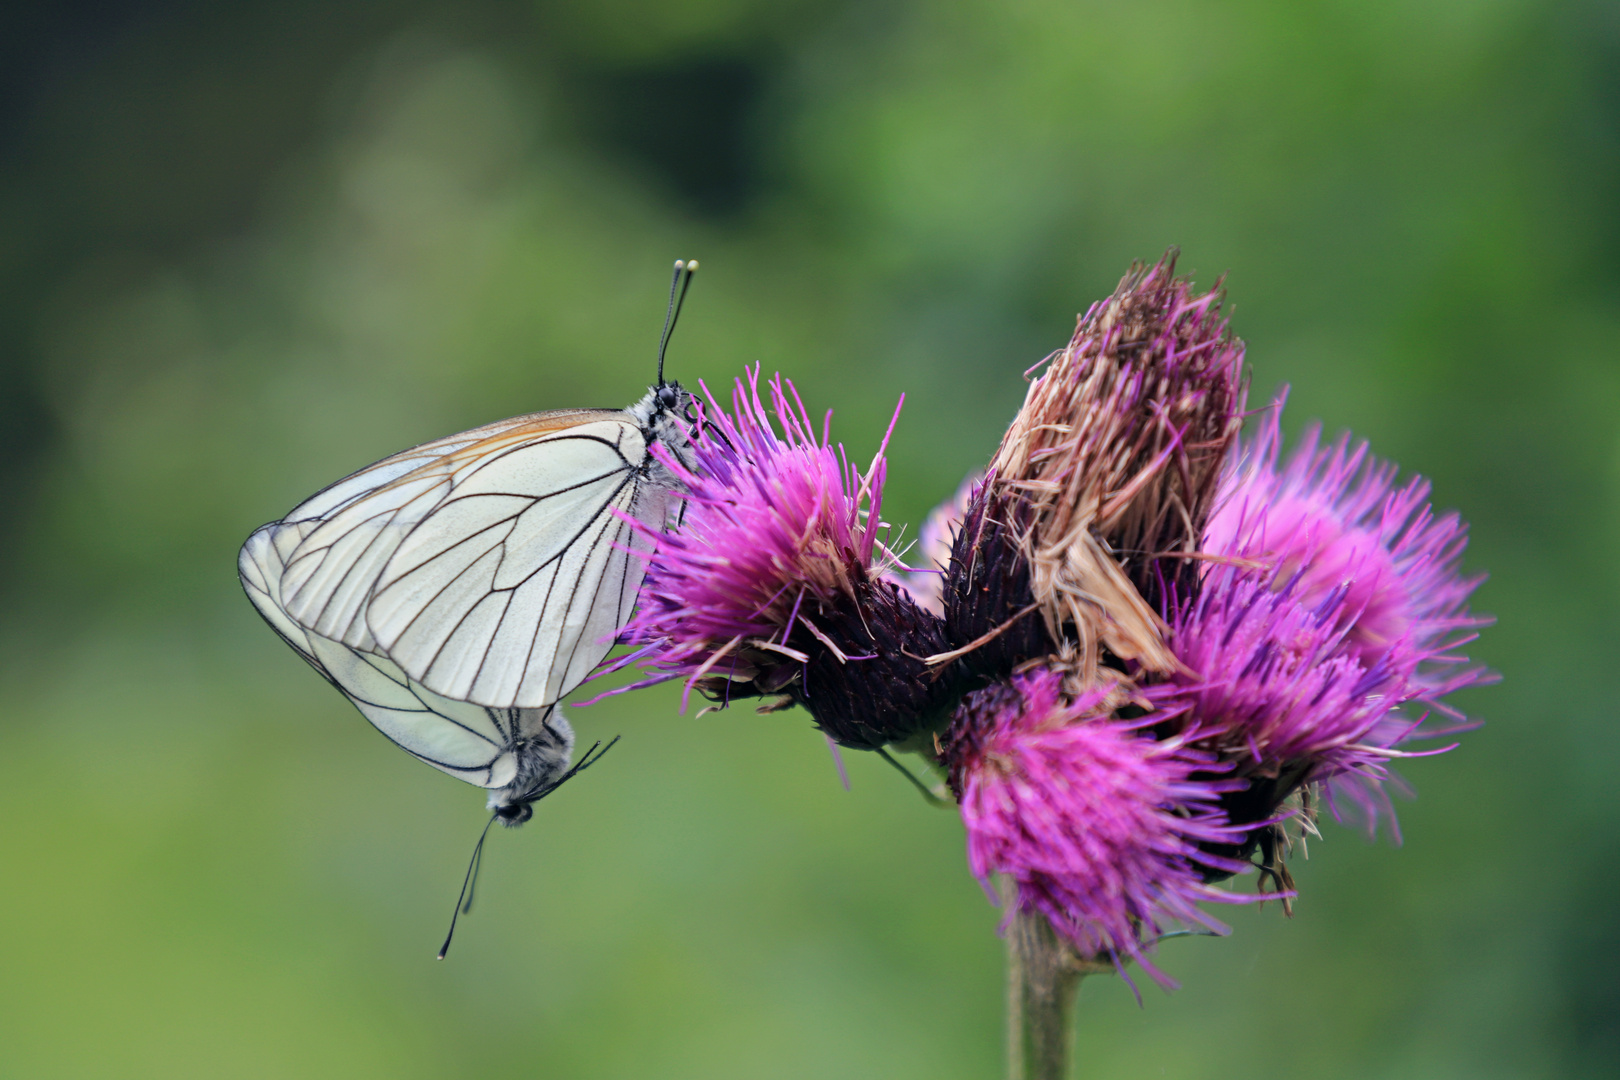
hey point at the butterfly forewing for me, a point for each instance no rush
(362, 519)
(491, 567)
(572, 635)
(476, 603)
(331, 574)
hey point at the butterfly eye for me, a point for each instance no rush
(669, 397)
(515, 813)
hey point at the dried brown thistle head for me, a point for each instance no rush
(1115, 457)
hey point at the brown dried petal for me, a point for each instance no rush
(1117, 451)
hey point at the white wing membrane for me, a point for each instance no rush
(490, 568)
(464, 740)
(456, 591)
(362, 519)
(470, 742)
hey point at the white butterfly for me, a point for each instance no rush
(456, 591)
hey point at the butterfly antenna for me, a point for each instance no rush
(679, 282)
(477, 868)
(468, 883)
(591, 757)
(588, 759)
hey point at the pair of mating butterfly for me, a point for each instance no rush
(456, 591)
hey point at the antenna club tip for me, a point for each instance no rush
(691, 266)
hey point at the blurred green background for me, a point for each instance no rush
(247, 248)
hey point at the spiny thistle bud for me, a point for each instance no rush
(1115, 456)
(1103, 829)
(774, 582)
(990, 609)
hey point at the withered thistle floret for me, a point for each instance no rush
(1116, 454)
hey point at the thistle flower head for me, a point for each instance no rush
(1117, 451)
(772, 583)
(1097, 824)
(1333, 523)
(1328, 630)
(768, 517)
(1270, 675)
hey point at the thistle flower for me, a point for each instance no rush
(773, 584)
(1333, 521)
(1334, 621)
(1115, 456)
(1097, 824)
(1277, 680)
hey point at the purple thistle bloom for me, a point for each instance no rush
(1273, 679)
(1343, 603)
(1099, 825)
(1333, 522)
(768, 517)
(772, 584)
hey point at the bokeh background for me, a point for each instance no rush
(246, 248)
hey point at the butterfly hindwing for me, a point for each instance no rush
(470, 742)
(466, 741)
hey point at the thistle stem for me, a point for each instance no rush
(1043, 978)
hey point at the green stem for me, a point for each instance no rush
(1043, 978)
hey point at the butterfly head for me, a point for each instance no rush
(669, 397)
(668, 415)
(514, 814)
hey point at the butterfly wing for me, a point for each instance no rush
(491, 567)
(349, 530)
(473, 743)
